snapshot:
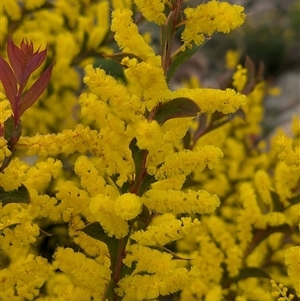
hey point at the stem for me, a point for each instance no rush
(117, 271)
(140, 178)
(118, 267)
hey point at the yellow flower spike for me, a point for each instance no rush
(149, 82)
(89, 175)
(127, 206)
(16, 276)
(232, 58)
(296, 126)
(287, 153)
(149, 135)
(42, 173)
(4, 151)
(208, 18)
(99, 14)
(181, 202)
(80, 139)
(162, 276)
(128, 38)
(121, 4)
(162, 262)
(73, 201)
(186, 161)
(108, 95)
(263, 185)
(153, 11)
(13, 9)
(214, 294)
(211, 100)
(78, 267)
(286, 179)
(33, 4)
(166, 231)
(240, 78)
(292, 256)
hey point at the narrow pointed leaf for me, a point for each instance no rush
(249, 65)
(148, 180)
(181, 57)
(20, 195)
(167, 32)
(250, 272)
(11, 226)
(137, 156)
(285, 228)
(12, 132)
(175, 108)
(96, 231)
(9, 82)
(295, 200)
(163, 249)
(276, 201)
(16, 59)
(35, 91)
(118, 57)
(44, 233)
(33, 63)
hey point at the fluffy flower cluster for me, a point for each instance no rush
(208, 18)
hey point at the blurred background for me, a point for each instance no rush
(270, 34)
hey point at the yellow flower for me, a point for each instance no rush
(191, 201)
(4, 151)
(32, 4)
(292, 256)
(185, 162)
(77, 266)
(148, 134)
(127, 206)
(12, 8)
(240, 78)
(152, 10)
(232, 58)
(211, 100)
(102, 208)
(208, 18)
(166, 231)
(128, 38)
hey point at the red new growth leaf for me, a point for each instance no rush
(35, 91)
(9, 83)
(15, 57)
(23, 60)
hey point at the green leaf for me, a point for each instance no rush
(11, 133)
(250, 272)
(96, 231)
(295, 200)
(11, 227)
(20, 195)
(163, 249)
(175, 108)
(167, 34)
(137, 155)
(43, 233)
(118, 57)
(186, 140)
(181, 57)
(148, 180)
(261, 235)
(276, 201)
